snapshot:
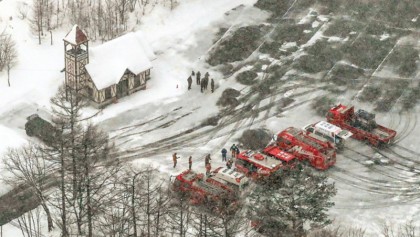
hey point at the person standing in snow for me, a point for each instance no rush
(189, 162)
(189, 82)
(229, 163)
(206, 82)
(202, 86)
(198, 77)
(212, 85)
(208, 168)
(224, 152)
(233, 150)
(207, 159)
(174, 159)
(192, 73)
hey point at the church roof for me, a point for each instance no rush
(76, 36)
(108, 62)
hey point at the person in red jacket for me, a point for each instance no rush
(208, 168)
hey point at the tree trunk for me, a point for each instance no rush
(8, 74)
(49, 218)
(88, 202)
(133, 210)
(148, 207)
(63, 194)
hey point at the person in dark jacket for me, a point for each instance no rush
(212, 85)
(189, 162)
(207, 159)
(189, 82)
(206, 82)
(192, 73)
(224, 152)
(198, 77)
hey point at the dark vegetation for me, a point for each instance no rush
(289, 31)
(368, 51)
(342, 28)
(277, 7)
(322, 104)
(321, 56)
(391, 93)
(255, 139)
(228, 98)
(370, 93)
(405, 58)
(237, 46)
(343, 74)
(410, 97)
(247, 77)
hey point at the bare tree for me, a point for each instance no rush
(37, 18)
(406, 230)
(28, 166)
(30, 223)
(8, 54)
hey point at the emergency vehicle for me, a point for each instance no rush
(362, 124)
(328, 132)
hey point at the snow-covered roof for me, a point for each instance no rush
(76, 36)
(109, 61)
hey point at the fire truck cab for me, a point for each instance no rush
(328, 132)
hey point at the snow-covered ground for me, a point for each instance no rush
(166, 109)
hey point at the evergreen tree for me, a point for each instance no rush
(291, 200)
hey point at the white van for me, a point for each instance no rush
(326, 131)
(230, 177)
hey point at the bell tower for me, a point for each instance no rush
(76, 52)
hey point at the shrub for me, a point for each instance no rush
(236, 47)
(275, 6)
(367, 51)
(342, 74)
(312, 64)
(342, 28)
(247, 77)
(322, 104)
(255, 139)
(228, 98)
(370, 93)
(405, 58)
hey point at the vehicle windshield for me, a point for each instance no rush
(338, 140)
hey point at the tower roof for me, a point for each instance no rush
(76, 36)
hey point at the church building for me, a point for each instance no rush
(109, 71)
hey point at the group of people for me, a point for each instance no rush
(234, 151)
(202, 82)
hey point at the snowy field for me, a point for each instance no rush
(150, 125)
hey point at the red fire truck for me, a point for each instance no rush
(362, 124)
(199, 191)
(320, 154)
